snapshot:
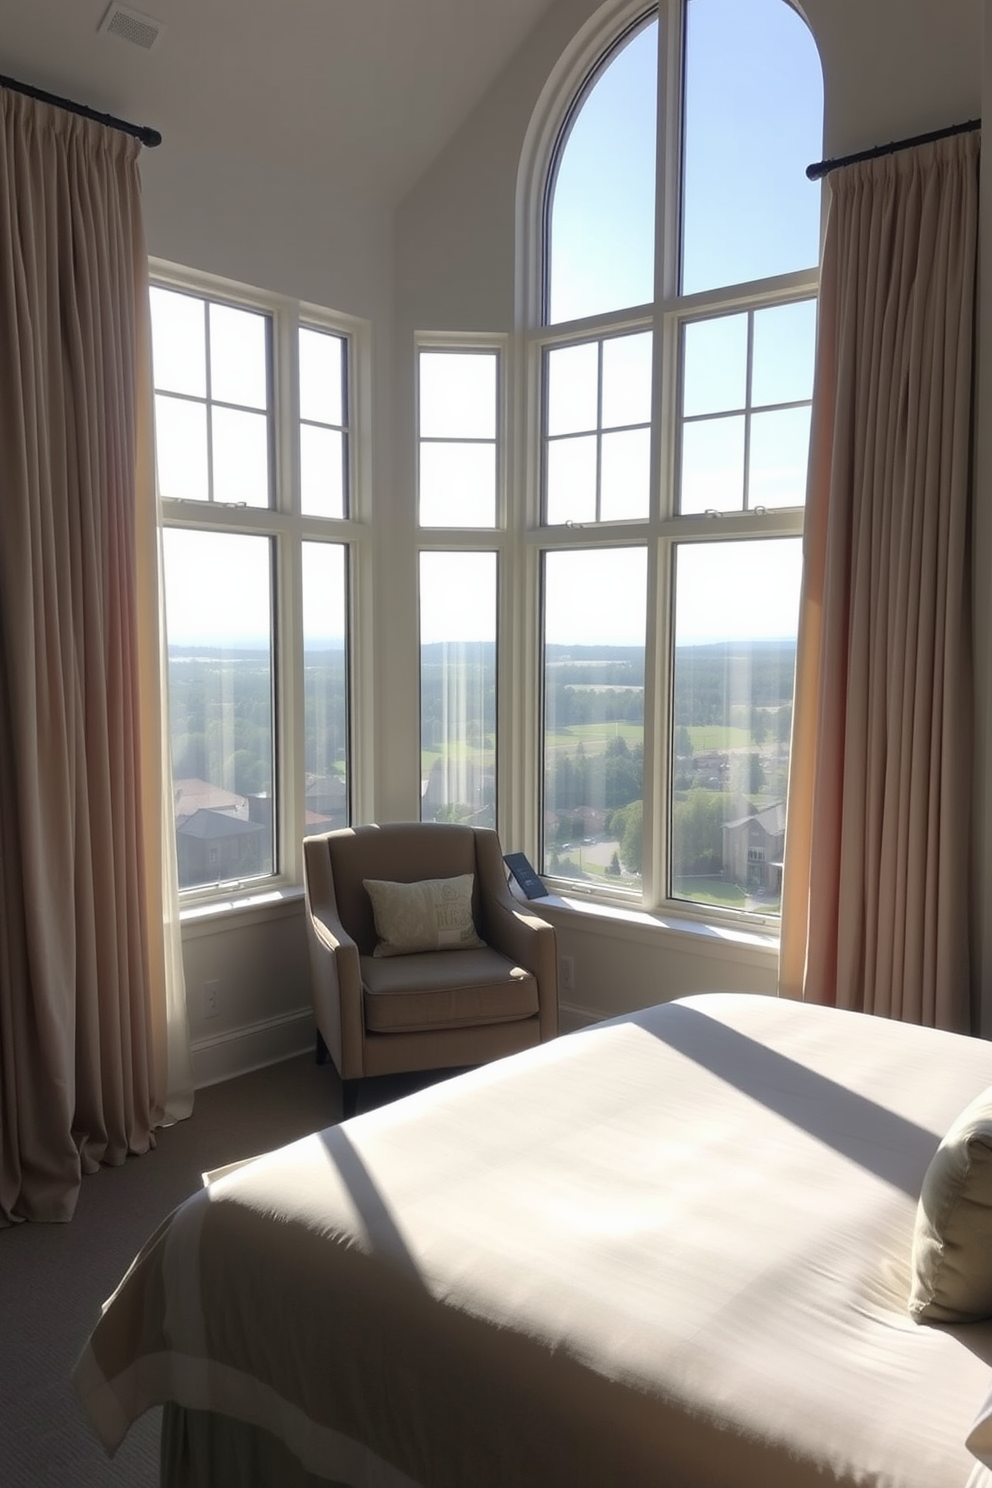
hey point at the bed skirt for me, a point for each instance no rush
(200, 1449)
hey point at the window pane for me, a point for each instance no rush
(457, 395)
(784, 342)
(458, 403)
(458, 687)
(753, 122)
(779, 454)
(232, 466)
(325, 686)
(218, 594)
(712, 466)
(573, 388)
(601, 247)
(179, 342)
(321, 376)
(571, 480)
(181, 449)
(239, 356)
(457, 485)
(714, 365)
(594, 624)
(241, 456)
(322, 471)
(736, 607)
(625, 475)
(627, 380)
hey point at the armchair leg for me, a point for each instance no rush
(320, 1053)
(349, 1097)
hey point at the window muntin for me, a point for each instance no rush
(325, 687)
(747, 387)
(601, 213)
(597, 441)
(727, 424)
(458, 421)
(595, 604)
(458, 627)
(208, 346)
(734, 664)
(213, 416)
(218, 597)
(323, 363)
(753, 111)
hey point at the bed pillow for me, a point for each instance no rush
(432, 915)
(952, 1238)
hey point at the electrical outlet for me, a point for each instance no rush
(566, 973)
(211, 994)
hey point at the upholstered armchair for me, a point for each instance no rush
(484, 985)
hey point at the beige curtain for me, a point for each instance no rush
(875, 891)
(92, 1021)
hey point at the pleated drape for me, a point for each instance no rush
(92, 1020)
(876, 877)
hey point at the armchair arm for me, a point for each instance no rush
(517, 932)
(335, 967)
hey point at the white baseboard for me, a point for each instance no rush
(571, 1016)
(251, 1047)
(240, 1050)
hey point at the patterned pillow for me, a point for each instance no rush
(433, 915)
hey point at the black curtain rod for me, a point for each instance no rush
(147, 136)
(823, 167)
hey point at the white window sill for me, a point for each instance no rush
(685, 933)
(244, 905)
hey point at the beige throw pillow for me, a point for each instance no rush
(433, 915)
(952, 1240)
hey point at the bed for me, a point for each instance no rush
(674, 1250)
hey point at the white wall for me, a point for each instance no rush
(275, 229)
(891, 67)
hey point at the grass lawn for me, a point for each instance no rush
(594, 737)
(484, 758)
(708, 890)
(717, 736)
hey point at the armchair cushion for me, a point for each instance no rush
(410, 994)
(434, 914)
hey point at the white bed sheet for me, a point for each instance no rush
(671, 1249)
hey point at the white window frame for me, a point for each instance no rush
(662, 529)
(497, 539)
(288, 528)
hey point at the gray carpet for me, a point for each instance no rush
(54, 1278)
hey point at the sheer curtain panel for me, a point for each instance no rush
(92, 1020)
(876, 878)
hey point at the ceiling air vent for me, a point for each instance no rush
(132, 26)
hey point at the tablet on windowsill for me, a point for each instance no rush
(526, 875)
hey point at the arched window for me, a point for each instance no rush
(678, 264)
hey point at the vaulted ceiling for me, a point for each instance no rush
(364, 93)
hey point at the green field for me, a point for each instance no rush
(706, 736)
(485, 758)
(709, 891)
(594, 737)
(712, 891)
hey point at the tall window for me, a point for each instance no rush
(458, 400)
(253, 462)
(675, 355)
